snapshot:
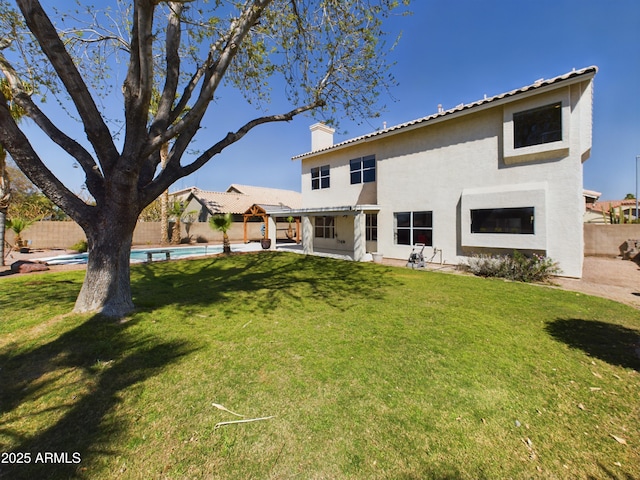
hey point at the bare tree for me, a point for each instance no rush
(328, 52)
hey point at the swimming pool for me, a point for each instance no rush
(140, 255)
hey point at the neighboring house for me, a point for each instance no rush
(606, 210)
(237, 200)
(590, 198)
(499, 174)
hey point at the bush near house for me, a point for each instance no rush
(517, 267)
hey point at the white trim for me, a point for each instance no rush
(506, 196)
(544, 151)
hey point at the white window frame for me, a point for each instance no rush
(323, 177)
(412, 227)
(362, 170)
(326, 225)
(543, 151)
(506, 196)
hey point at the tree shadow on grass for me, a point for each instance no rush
(614, 344)
(57, 292)
(110, 360)
(266, 279)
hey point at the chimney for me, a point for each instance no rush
(321, 136)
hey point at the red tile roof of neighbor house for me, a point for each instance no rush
(604, 206)
(538, 84)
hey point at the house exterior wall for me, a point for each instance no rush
(468, 161)
(340, 192)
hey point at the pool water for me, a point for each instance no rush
(138, 256)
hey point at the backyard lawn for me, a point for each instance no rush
(353, 371)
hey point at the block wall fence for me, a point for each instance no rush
(607, 239)
(62, 235)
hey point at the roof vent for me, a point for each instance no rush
(440, 109)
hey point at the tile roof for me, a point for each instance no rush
(462, 107)
(604, 205)
(269, 196)
(239, 198)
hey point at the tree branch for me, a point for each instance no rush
(94, 179)
(215, 71)
(45, 33)
(233, 137)
(138, 85)
(172, 63)
(174, 171)
(17, 144)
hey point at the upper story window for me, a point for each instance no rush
(519, 221)
(320, 177)
(537, 126)
(363, 169)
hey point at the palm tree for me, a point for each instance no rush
(175, 210)
(222, 223)
(18, 225)
(5, 189)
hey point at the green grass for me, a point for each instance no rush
(368, 371)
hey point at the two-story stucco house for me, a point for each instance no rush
(499, 174)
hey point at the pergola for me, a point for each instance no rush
(275, 211)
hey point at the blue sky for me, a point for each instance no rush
(456, 51)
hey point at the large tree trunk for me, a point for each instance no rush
(164, 199)
(5, 198)
(107, 285)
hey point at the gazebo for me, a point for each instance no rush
(270, 215)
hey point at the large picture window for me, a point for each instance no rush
(320, 177)
(537, 126)
(518, 221)
(325, 227)
(363, 170)
(414, 227)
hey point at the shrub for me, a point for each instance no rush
(80, 247)
(518, 267)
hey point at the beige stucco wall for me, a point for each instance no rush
(49, 235)
(341, 192)
(606, 240)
